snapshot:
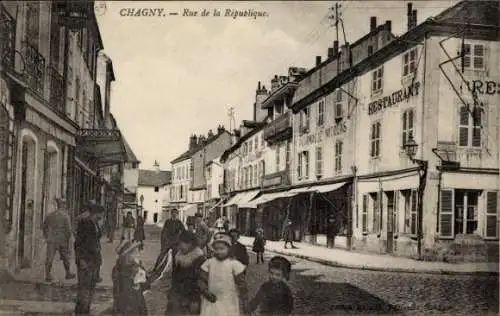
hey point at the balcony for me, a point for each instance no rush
(279, 129)
(7, 39)
(56, 90)
(34, 68)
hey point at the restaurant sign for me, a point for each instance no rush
(394, 99)
(323, 134)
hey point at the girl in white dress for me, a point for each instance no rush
(223, 284)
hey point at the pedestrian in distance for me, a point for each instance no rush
(238, 250)
(57, 233)
(274, 297)
(223, 282)
(170, 232)
(139, 235)
(288, 234)
(129, 281)
(128, 227)
(259, 244)
(88, 257)
(184, 295)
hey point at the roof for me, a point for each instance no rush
(153, 178)
(130, 156)
(231, 149)
(190, 152)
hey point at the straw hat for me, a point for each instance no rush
(222, 238)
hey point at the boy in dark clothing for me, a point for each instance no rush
(274, 297)
(258, 245)
(238, 250)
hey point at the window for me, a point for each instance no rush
(305, 160)
(250, 176)
(375, 197)
(321, 113)
(409, 62)
(262, 169)
(255, 175)
(209, 191)
(338, 156)
(288, 155)
(55, 39)
(339, 113)
(466, 211)
(407, 121)
(375, 140)
(319, 162)
(470, 127)
(377, 79)
(209, 172)
(364, 215)
(250, 146)
(262, 142)
(303, 166)
(277, 158)
(392, 209)
(256, 142)
(304, 120)
(473, 56)
(157, 189)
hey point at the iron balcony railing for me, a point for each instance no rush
(7, 38)
(34, 68)
(278, 129)
(56, 90)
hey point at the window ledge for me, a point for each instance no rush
(376, 94)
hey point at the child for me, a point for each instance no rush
(238, 250)
(184, 295)
(274, 296)
(258, 245)
(129, 281)
(223, 281)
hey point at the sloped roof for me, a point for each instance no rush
(473, 12)
(153, 178)
(129, 153)
(190, 152)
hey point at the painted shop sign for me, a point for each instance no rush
(323, 134)
(394, 99)
(484, 87)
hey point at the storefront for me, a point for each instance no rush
(235, 209)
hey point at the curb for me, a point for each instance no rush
(379, 269)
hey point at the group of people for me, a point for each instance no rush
(207, 274)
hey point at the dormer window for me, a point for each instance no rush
(473, 56)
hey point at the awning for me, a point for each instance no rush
(104, 145)
(268, 197)
(327, 187)
(301, 190)
(188, 210)
(216, 204)
(241, 198)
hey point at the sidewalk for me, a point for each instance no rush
(377, 262)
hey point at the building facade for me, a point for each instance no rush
(150, 193)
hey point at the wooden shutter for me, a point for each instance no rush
(364, 216)
(446, 214)
(491, 225)
(414, 213)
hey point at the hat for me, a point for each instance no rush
(223, 238)
(281, 263)
(187, 237)
(125, 247)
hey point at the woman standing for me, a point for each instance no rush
(139, 235)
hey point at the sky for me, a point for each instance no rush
(178, 75)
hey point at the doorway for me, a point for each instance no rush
(155, 218)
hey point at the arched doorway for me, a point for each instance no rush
(27, 199)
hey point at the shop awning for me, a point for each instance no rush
(216, 205)
(106, 146)
(241, 198)
(301, 190)
(327, 187)
(268, 197)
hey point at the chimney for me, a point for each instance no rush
(330, 52)
(388, 25)
(193, 142)
(156, 166)
(414, 18)
(373, 23)
(335, 47)
(318, 60)
(409, 14)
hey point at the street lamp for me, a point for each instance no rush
(411, 149)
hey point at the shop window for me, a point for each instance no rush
(392, 210)
(321, 113)
(408, 125)
(377, 80)
(377, 214)
(409, 62)
(410, 212)
(466, 212)
(364, 215)
(375, 139)
(473, 56)
(470, 127)
(338, 156)
(319, 162)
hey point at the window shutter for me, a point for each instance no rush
(446, 214)
(491, 215)
(414, 214)
(364, 218)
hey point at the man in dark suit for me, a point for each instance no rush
(88, 257)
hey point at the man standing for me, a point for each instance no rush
(202, 233)
(88, 257)
(128, 227)
(57, 233)
(288, 234)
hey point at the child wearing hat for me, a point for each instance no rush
(129, 281)
(223, 281)
(274, 297)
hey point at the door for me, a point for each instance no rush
(390, 221)
(22, 214)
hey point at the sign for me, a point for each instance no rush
(484, 87)
(271, 181)
(323, 134)
(395, 98)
